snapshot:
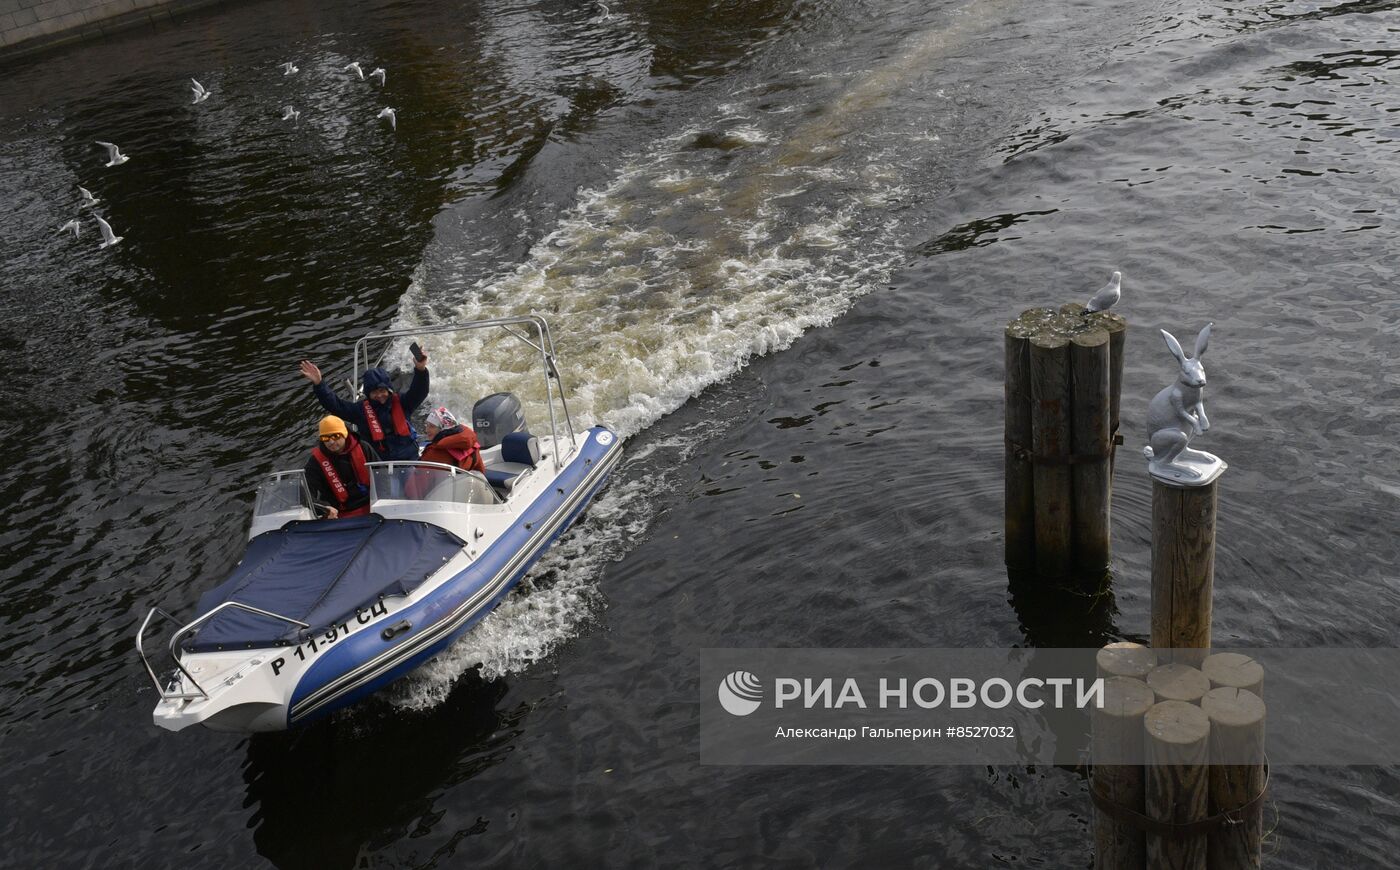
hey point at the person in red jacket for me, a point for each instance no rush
(451, 443)
(337, 472)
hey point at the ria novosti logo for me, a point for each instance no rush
(740, 693)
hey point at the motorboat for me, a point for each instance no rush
(321, 613)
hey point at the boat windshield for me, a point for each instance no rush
(284, 492)
(428, 481)
(281, 498)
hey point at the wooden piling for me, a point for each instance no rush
(1090, 443)
(1117, 328)
(1020, 490)
(1178, 682)
(1237, 777)
(1050, 444)
(1125, 659)
(1183, 569)
(1177, 782)
(1234, 670)
(1117, 775)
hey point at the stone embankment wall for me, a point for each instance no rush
(27, 26)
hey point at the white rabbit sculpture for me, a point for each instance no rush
(1176, 415)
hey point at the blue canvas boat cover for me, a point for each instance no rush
(319, 572)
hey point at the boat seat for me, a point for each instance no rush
(520, 453)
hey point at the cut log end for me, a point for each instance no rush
(1125, 659)
(1234, 670)
(1176, 723)
(1178, 682)
(1126, 697)
(1233, 708)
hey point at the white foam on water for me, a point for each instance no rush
(747, 134)
(676, 182)
(559, 598)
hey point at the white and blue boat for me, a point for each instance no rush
(321, 613)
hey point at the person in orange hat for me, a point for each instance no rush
(338, 472)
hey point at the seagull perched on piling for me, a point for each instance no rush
(114, 156)
(355, 68)
(378, 71)
(109, 238)
(290, 114)
(88, 199)
(71, 225)
(288, 68)
(201, 93)
(393, 117)
(1108, 296)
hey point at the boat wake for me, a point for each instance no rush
(560, 598)
(716, 245)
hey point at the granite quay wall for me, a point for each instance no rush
(29, 26)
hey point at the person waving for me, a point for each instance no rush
(382, 417)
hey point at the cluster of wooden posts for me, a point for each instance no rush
(1064, 375)
(1179, 777)
(1179, 773)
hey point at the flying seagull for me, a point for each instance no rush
(607, 13)
(393, 117)
(71, 225)
(1107, 297)
(109, 238)
(355, 68)
(114, 156)
(378, 71)
(88, 199)
(290, 114)
(201, 93)
(288, 68)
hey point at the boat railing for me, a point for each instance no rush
(542, 342)
(188, 629)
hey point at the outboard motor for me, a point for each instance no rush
(495, 417)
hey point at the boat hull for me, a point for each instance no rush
(366, 662)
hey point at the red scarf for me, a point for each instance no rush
(376, 431)
(357, 461)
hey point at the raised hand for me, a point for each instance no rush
(310, 371)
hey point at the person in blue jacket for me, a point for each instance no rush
(382, 417)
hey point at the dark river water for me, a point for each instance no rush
(777, 242)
